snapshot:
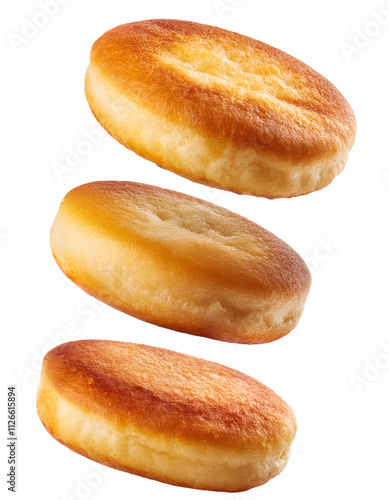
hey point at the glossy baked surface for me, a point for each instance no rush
(179, 262)
(219, 108)
(164, 415)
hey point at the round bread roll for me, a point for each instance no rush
(219, 108)
(179, 262)
(164, 415)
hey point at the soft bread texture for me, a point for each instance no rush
(179, 262)
(164, 415)
(219, 108)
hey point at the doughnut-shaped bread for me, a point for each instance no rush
(219, 108)
(164, 415)
(179, 262)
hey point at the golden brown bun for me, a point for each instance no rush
(179, 262)
(164, 415)
(219, 108)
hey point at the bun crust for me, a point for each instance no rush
(219, 108)
(164, 415)
(179, 262)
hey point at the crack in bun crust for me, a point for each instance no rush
(164, 415)
(219, 108)
(179, 262)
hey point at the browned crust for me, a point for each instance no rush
(104, 216)
(167, 393)
(102, 204)
(130, 56)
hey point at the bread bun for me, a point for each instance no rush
(219, 108)
(179, 262)
(164, 415)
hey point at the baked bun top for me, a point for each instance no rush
(198, 237)
(159, 391)
(228, 85)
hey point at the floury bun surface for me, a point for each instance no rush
(219, 108)
(164, 415)
(179, 262)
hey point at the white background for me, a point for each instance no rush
(325, 369)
